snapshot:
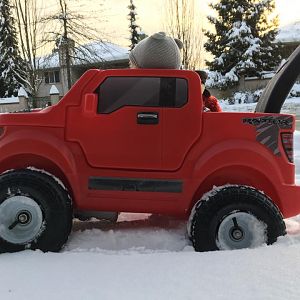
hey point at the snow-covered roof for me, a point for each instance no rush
(289, 33)
(10, 100)
(48, 61)
(90, 53)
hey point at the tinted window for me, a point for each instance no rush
(116, 92)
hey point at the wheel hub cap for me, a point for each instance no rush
(240, 230)
(24, 217)
(237, 234)
(21, 220)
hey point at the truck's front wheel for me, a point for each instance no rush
(35, 212)
(235, 217)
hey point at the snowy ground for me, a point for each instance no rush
(149, 257)
(291, 105)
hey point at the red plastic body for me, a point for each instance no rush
(192, 149)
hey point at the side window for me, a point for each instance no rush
(51, 77)
(117, 92)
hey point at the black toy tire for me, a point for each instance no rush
(210, 213)
(42, 196)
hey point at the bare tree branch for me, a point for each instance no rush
(29, 24)
(70, 32)
(183, 22)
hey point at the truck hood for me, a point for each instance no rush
(280, 85)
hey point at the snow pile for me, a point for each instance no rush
(295, 92)
(134, 233)
(289, 33)
(291, 106)
(246, 97)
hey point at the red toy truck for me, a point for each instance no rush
(139, 141)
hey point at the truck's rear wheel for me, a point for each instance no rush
(235, 217)
(35, 212)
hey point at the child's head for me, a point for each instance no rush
(158, 51)
(203, 76)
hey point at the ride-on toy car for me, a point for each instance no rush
(139, 141)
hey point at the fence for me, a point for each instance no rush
(22, 102)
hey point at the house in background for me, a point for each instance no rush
(101, 55)
(289, 37)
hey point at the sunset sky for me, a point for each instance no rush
(151, 14)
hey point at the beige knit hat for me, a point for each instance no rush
(158, 51)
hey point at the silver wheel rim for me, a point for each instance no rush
(21, 220)
(241, 230)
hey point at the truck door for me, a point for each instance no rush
(140, 123)
(126, 129)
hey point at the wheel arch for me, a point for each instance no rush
(44, 152)
(237, 175)
(38, 163)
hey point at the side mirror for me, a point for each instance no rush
(90, 103)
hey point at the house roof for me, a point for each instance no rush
(95, 52)
(289, 33)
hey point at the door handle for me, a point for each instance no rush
(148, 118)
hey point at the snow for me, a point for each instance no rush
(238, 29)
(289, 33)
(267, 75)
(48, 61)
(251, 97)
(22, 93)
(54, 90)
(149, 257)
(291, 105)
(9, 100)
(98, 52)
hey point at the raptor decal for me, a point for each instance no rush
(267, 130)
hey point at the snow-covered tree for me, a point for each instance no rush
(243, 40)
(12, 73)
(265, 27)
(135, 31)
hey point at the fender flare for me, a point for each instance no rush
(41, 148)
(237, 170)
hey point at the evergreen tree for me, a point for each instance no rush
(265, 27)
(135, 36)
(12, 67)
(243, 40)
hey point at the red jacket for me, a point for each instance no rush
(211, 102)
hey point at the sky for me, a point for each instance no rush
(288, 10)
(151, 15)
